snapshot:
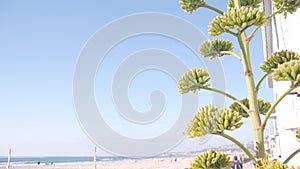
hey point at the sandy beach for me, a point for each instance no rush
(180, 163)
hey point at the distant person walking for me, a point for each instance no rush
(236, 163)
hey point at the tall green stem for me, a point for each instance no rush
(258, 132)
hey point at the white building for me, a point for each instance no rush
(281, 34)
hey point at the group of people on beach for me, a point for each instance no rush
(51, 163)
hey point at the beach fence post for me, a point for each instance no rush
(8, 159)
(95, 158)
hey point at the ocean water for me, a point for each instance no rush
(55, 160)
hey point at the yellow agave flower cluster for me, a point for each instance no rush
(277, 59)
(211, 159)
(237, 18)
(263, 107)
(284, 66)
(213, 120)
(266, 164)
(289, 71)
(213, 48)
(193, 80)
(191, 5)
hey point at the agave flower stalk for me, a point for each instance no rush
(283, 66)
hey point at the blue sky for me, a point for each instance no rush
(40, 43)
